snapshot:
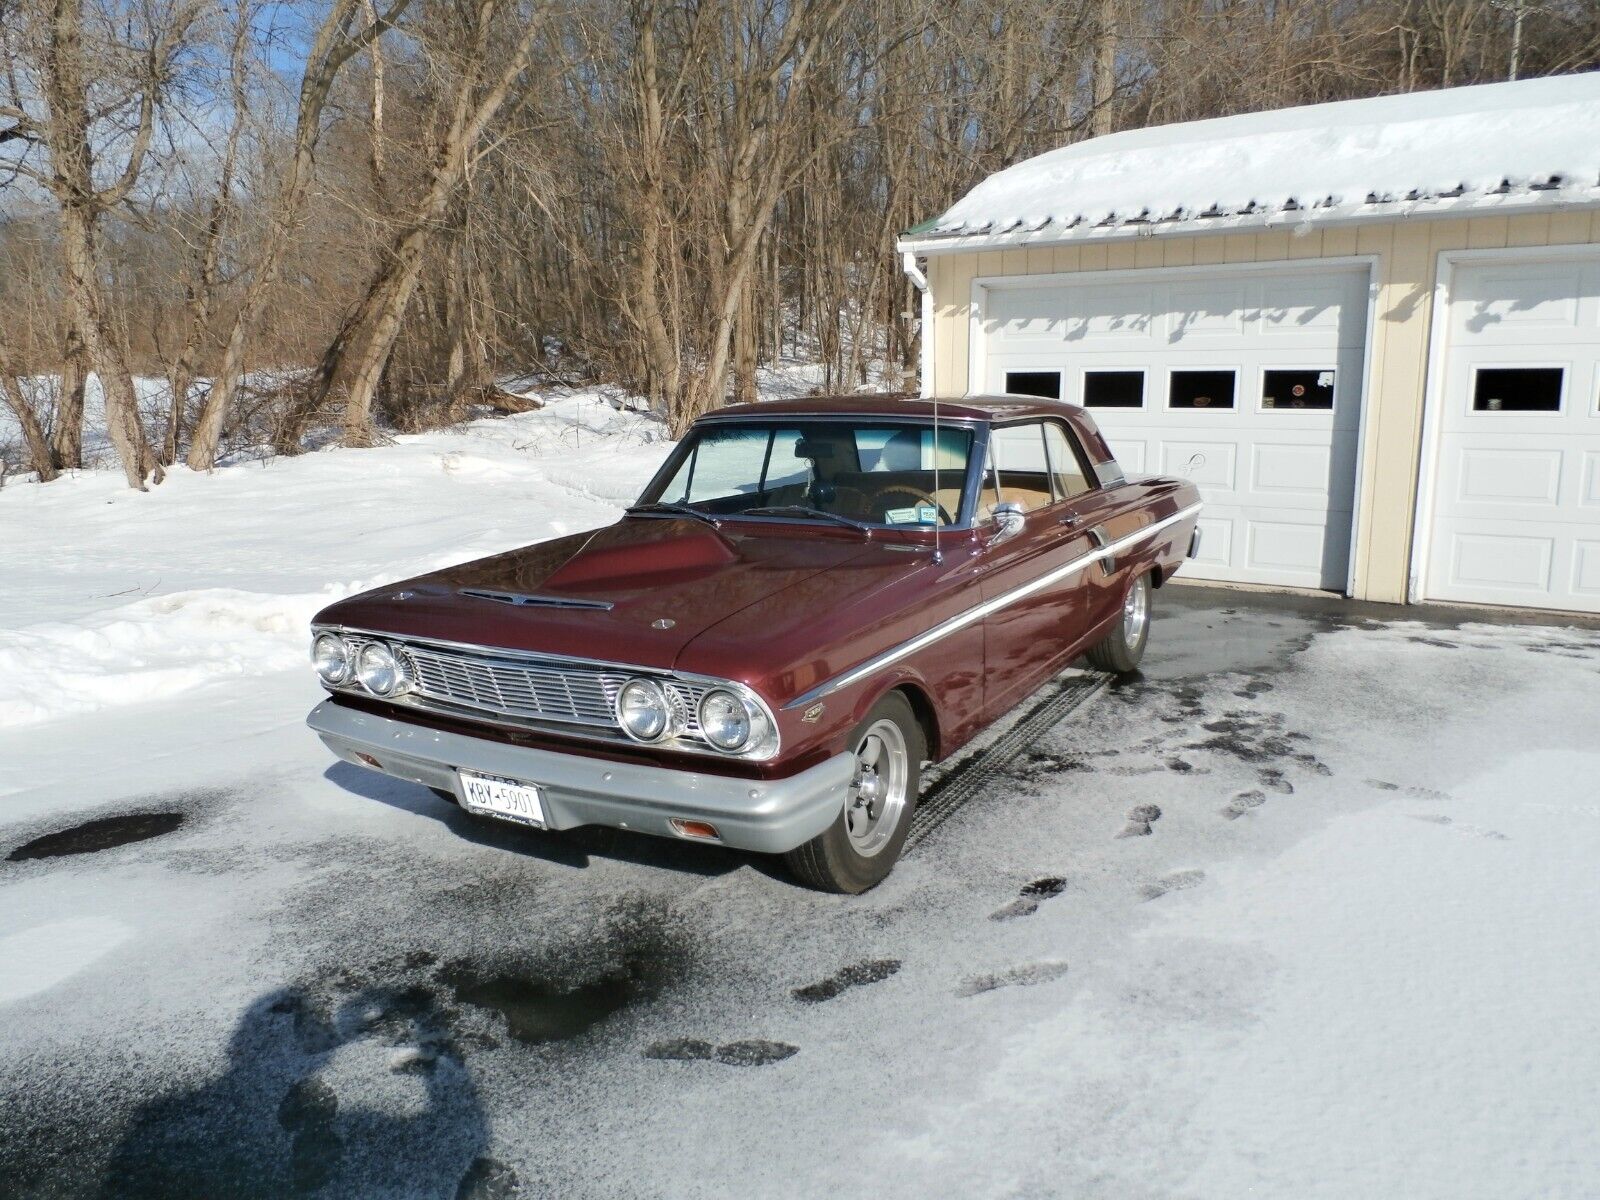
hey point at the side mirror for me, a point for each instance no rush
(1008, 522)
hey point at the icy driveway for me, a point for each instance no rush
(1356, 954)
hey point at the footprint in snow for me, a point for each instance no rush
(1025, 975)
(488, 1179)
(1494, 835)
(1139, 818)
(1176, 881)
(1242, 803)
(755, 1052)
(1028, 900)
(1273, 778)
(872, 970)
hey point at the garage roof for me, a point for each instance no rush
(1532, 144)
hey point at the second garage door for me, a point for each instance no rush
(1516, 501)
(1246, 382)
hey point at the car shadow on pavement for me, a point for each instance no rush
(366, 1095)
(575, 848)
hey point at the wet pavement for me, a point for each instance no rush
(287, 977)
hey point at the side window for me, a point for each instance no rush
(1022, 464)
(1066, 469)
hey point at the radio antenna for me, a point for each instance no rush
(937, 556)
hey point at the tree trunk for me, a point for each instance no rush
(40, 454)
(85, 295)
(1101, 119)
(66, 439)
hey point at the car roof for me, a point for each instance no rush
(967, 408)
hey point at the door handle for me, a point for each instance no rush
(1069, 520)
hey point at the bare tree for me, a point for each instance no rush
(479, 82)
(85, 104)
(335, 43)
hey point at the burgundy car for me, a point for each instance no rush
(810, 600)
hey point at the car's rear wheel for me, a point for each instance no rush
(860, 848)
(1121, 649)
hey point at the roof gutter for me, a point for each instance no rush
(915, 273)
(1081, 232)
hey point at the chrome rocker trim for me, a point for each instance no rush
(961, 620)
(768, 816)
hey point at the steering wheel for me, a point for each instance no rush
(917, 498)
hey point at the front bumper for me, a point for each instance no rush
(765, 815)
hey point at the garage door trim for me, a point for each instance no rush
(978, 348)
(1433, 395)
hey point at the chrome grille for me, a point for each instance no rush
(531, 689)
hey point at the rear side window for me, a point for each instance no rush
(1066, 470)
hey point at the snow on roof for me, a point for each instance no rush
(1470, 147)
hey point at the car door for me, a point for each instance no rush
(1037, 618)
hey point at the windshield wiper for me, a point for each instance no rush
(673, 510)
(803, 510)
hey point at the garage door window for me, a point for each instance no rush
(1045, 384)
(1201, 389)
(1517, 389)
(1297, 389)
(1113, 389)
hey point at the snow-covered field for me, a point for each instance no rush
(1348, 947)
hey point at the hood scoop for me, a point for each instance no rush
(525, 600)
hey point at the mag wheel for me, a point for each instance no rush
(860, 848)
(1122, 648)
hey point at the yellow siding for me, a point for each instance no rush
(1406, 253)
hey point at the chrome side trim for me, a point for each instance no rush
(961, 620)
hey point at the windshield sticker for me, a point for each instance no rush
(921, 514)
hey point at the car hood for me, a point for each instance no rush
(635, 592)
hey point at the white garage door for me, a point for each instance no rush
(1247, 382)
(1516, 502)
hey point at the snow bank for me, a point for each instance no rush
(115, 597)
(1428, 143)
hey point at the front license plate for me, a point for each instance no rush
(508, 799)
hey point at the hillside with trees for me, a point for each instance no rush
(250, 219)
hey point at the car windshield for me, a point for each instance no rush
(872, 472)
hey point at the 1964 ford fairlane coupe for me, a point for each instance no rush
(809, 601)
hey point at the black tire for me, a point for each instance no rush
(834, 860)
(1120, 652)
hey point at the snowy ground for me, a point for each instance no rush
(1355, 955)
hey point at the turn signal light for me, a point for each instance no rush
(695, 829)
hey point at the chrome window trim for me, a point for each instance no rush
(976, 613)
(611, 736)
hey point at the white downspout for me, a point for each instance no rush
(908, 262)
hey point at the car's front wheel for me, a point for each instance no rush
(860, 848)
(1121, 649)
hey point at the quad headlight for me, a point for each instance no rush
(330, 654)
(380, 672)
(643, 710)
(730, 721)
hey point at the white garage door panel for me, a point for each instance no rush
(1516, 505)
(1294, 472)
(1278, 483)
(1494, 476)
(1503, 562)
(1586, 569)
